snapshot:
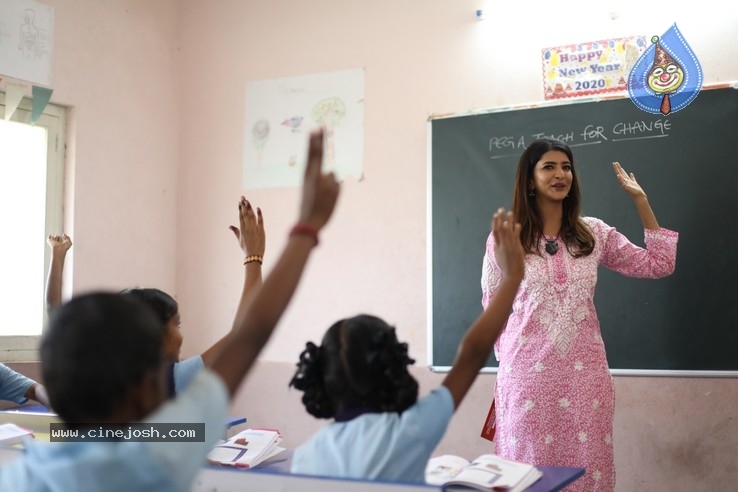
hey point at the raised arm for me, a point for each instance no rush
(38, 393)
(479, 339)
(631, 186)
(253, 327)
(16, 387)
(59, 246)
(252, 240)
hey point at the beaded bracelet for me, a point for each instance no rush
(253, 258)
(306, 230)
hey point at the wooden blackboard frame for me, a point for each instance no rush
(444, 367)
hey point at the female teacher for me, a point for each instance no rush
(554, 396)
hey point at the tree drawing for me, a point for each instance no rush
(329, 113)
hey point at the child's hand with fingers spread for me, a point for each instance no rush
(250, 231)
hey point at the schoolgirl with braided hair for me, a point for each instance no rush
(359, 367)
(359, 377)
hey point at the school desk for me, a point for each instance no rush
(33, 417)
(273, 475)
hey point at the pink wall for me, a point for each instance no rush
(157, 90)
(115, 65)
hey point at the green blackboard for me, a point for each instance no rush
(687, 162)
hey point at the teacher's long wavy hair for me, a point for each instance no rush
(575, 233)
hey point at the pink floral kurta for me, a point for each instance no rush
(555, 398)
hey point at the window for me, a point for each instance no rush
(31, 200)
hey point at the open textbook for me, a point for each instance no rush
(247, 449)
(11, 434)
(488, 472)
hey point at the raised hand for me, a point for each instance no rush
(250, 232)
(628, 181)
(256, 318)
(508, 248)
(251, 239)
(319, 190)
(59, 244)
(477, 343)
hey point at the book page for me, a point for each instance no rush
(441, 469)
(225, 454)
(11, 433)
(490, 471)
(246, 449)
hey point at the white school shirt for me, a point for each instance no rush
(125, 466)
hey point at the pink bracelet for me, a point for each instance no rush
(306, 230)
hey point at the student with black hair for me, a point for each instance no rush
(251, 238)
(359, 377)
(101, 357)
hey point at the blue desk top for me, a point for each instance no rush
(230, 421)
(554, 478)
(28, 409)
(233, 421)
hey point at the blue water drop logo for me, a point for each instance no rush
(667, 76)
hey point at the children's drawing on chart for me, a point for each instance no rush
(328, 113)
(667, 76)
(26, 41)
(296, 106)
(293, 123)
(30, 42)
(260, 135)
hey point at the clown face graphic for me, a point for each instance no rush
(666, 75)
(665, 78)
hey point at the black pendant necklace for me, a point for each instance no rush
(552, 246)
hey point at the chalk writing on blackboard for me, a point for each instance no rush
(591, 134)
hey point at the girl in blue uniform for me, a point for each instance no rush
(359, 377)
